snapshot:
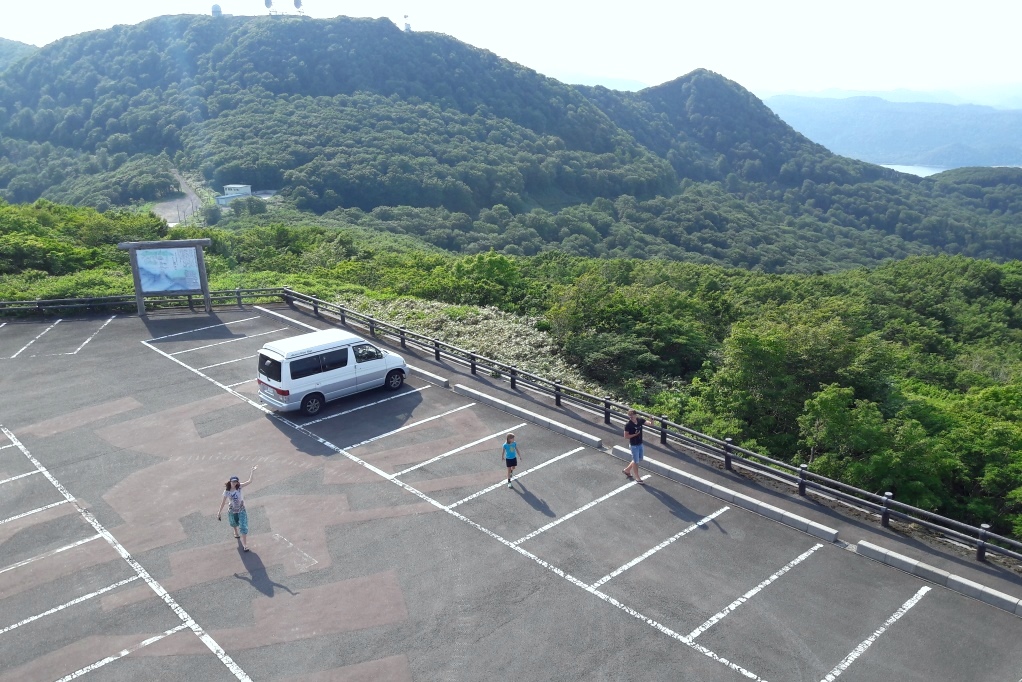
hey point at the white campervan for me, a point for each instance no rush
(304, 372)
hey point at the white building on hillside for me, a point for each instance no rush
(232, 192)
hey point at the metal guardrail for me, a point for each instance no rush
(153, 302)
(732, 455)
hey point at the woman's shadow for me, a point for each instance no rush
(257, 575)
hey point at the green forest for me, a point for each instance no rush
(906, 377)
(423, 135)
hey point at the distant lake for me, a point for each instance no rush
(921, 171)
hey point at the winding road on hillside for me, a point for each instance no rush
(179, 209)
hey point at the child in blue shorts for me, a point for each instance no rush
(511, 454)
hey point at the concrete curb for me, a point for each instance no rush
(429, 376)
(558, 427)
(1005, 602)
(738, 499)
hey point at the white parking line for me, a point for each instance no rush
(362, 407)
(459, 449)
(187, 620)
(34, 511)
(406, 427)
(751, 593)
(93, 336)
(246, 381)
(285, 317)
(110, 659)
(79, 600)
(578, 511)
(35, 339)
(701, 522)
(192, 331)
(15, 478)
(578, 583)
(4, 447)
(52, 552)
(507, 543)
(221, 364)
(861, 649)
(514, 478)
(240, 338)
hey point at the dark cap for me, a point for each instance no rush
(235, 478)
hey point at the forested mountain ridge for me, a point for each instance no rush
(11, 51)
(420, 134)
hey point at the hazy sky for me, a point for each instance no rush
(767, 46)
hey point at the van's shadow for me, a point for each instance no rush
(349, 421)
(199, 325)
(257, 576)
(536, 503)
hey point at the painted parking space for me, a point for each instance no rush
(18, 337)
(59, 337)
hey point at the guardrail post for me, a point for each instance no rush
(727, 454)
(286, 296)
(344, 320)
(237, 295)
(315, 307)
(404, 341)
(606, 409)
(436, 350)
(514, 378)
(191, 306)
(885, 515)
(39, 306)
(663, 429)
(557, 393)
(372, 327)
(981, 548)
(472, 362)
(802, 479)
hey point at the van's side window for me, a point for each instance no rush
(365, 352)
(304, 367)
(335, 359)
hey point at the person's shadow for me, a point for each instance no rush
(257, 576)
(533, 501)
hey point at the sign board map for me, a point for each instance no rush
(162, 270)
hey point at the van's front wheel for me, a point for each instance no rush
(394, 380)
(312, 404)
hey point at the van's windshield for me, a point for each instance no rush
(269, 368)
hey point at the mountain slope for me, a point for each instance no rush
(11, 51)
(422, 134)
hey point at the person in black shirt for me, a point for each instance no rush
(633, 432)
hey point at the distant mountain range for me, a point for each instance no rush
(422, 134)
(907, 133)
(11, 51)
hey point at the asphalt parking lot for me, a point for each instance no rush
(385, 544)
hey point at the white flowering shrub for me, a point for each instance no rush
(487, 331)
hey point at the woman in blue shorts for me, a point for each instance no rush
(510, 456)
(236, 514)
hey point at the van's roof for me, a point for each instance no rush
(305, 343)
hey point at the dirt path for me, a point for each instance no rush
(178, 210)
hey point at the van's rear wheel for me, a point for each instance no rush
(395, 379)
(312, 404)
